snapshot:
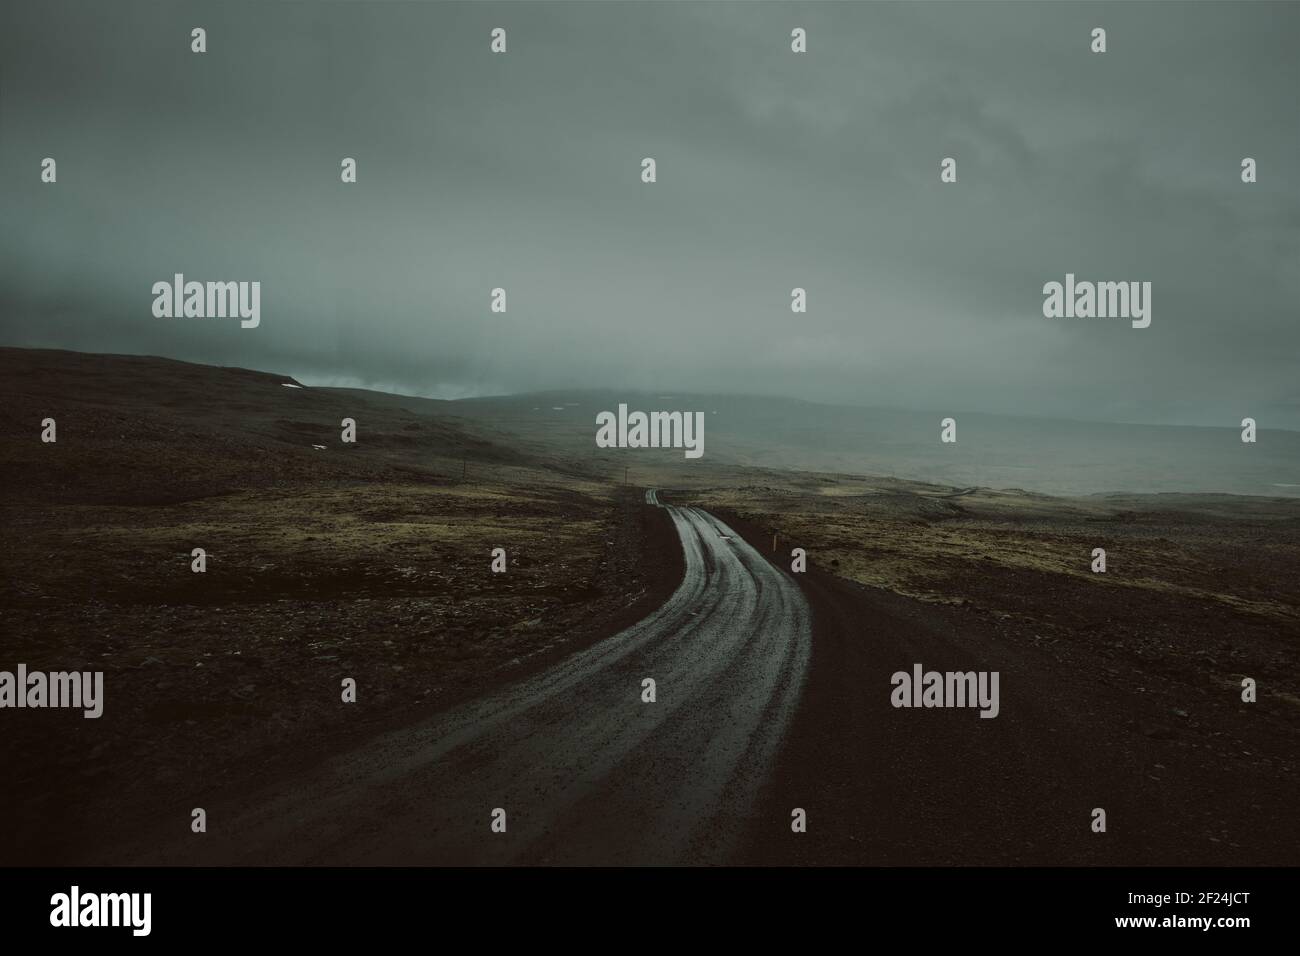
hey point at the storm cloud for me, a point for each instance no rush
(775, 170)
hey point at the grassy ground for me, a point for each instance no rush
(370, 561)
(1205, 586)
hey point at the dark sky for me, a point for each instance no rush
(775, 170)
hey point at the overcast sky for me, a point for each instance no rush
(775, 170)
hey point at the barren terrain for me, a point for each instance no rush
(372, 561)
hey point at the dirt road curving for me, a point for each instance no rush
(586, 770)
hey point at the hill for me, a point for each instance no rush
(139, 429)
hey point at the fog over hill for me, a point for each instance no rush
(1051, 456)
(175, 403)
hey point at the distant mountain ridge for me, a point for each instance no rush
(169, 404)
